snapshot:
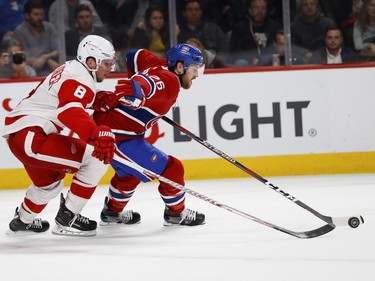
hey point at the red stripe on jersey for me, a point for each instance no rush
(11, 120)
(79, 121)
(81, 191)
(32, 206)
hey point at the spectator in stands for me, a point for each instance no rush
(139, 16)
(275, 10)
(275, 55)
(251, 36)
(347, 24)
(11, 17)
(338, 10)
(231, 13)
(210, 60)
(84, 26)
(104, 10)
(47, 4)
(209, 33)
(68, 10)
(122, 17)
(334, 51)
(119, 16)
(210, 10)
(356, 7)
(13, 61)
(364, 31)
(38, 39)
(153, 33)
(309, 27)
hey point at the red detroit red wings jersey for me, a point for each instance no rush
(160, 87)
(59, 101)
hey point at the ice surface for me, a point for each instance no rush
(229, 247)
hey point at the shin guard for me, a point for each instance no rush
(173, 198)
(120, 192)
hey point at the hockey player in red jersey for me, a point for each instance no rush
(140, 101)
(33, 131)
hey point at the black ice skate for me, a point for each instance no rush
(16, 226)
(70, 224)
(187, 218)
(109, 218)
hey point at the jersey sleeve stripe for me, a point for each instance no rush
(141, 116)
(68, 106)
(122, 110)
(151, 83)
(132, 57)
(119, 132)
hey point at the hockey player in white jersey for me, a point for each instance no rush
(33, 132)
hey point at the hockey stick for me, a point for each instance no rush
(119, 157)
(353, 221)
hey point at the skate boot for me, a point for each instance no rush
(126, 217)
(70, 224)
(187, 218)
(16, 226)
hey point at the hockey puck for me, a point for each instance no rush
(354, 222)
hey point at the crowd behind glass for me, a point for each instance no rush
(230, 33)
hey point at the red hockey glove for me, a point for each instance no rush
(104, 144)
(131, 93)
(105, 100)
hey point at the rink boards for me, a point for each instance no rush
(290, 121)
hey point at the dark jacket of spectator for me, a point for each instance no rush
(243, 39)
(320, 56)
(310, 35)
(209, 33)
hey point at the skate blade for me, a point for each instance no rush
(168, 224)
(22, 233)
(69, 231)
(115, 224)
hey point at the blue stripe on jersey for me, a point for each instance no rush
(123, 133)
(142, 115)
(142, 153)
(120, 195)
(173, 199)
(150, 82)
(131, 58)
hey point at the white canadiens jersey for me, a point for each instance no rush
(58, 102)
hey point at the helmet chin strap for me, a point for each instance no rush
(179, 76)
(173, 69)
(93, 73)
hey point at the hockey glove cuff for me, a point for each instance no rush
(103, 141)
(105, 100)
(132, 94)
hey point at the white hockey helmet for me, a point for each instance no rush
(97, 47)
